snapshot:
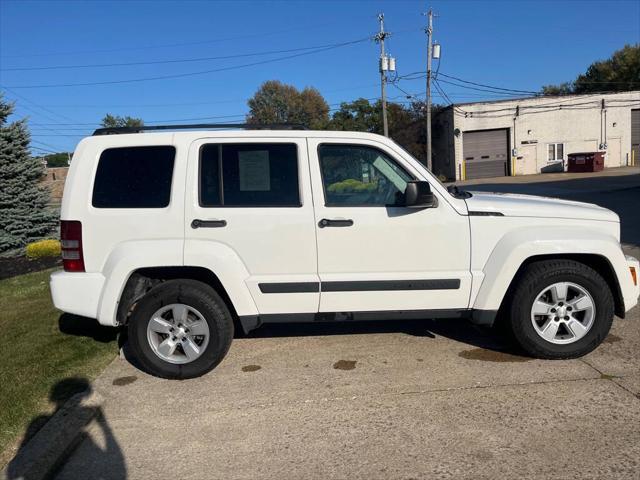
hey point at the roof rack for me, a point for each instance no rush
(205, 126)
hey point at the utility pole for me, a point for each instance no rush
(429, 32)
(384, 66)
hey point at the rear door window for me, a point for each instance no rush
(249, 175)
(134, 177)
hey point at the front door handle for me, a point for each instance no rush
(208, 223)
(326, 222)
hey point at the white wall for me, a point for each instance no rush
(576, 121)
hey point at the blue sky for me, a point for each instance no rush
(519, 44)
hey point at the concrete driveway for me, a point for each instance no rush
(420, 399)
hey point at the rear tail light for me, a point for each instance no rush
(634, 275)
(71, 240)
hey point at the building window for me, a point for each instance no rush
(555, 151)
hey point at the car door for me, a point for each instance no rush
(373, 253)
(249, 213)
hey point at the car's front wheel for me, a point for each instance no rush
(560, 309)
(180, 329)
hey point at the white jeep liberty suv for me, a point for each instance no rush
(181, 235)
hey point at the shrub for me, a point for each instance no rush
(43, 248)
(351, 185)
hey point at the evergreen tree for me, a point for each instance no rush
(24, 215)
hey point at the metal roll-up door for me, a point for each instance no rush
(635, 136)
(486, 153)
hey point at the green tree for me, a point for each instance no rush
(24, 215)
(407, 124)
(561, 89)
(359, 116)
(113, 121)
(619, 73)
(58, 159)
(276, 102)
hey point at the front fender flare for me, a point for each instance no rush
(516, 247)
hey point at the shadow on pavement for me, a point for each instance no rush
(60, 393)
(456, 329)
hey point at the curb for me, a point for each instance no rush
(47, 449)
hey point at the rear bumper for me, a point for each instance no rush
(631, 292)
(77, 293)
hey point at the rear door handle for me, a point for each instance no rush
(208, 223)
(326, 222)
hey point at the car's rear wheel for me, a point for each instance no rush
(180, 329)
(559, 309)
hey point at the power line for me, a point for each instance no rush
(167, 120)
(563, 103)
(489, 86)
(190, 74)
(90, 126)
(159, 62)
(408, 95)
(166, 45)
(30, 102)
(185, 104)
(478, 88)
(42, 150)
(39, 113)
(523, 111)
(45, 145)
(29, 109)
(442, 92)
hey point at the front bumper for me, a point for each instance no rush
(77, 293)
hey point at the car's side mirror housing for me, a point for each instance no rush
(418, 194)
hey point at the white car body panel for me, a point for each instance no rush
(388, 243)
(77, 293)
(278, 245)
(275, 244)
(128, 257)
(518, 245)
(516, 205)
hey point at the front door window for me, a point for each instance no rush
(358, 175)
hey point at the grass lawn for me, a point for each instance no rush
(36, 355)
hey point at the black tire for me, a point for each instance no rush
(533, 280)
(194, 294)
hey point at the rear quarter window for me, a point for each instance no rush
(134, 177)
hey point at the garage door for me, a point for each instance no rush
(486, 153)
(635, 136)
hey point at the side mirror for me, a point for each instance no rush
(418, 195)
